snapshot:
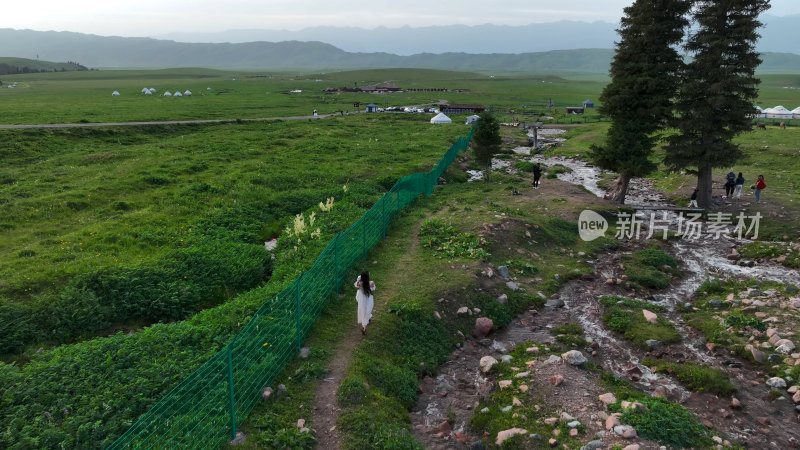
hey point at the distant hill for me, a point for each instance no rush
(118, 52)
(9, 66)
(777, 35)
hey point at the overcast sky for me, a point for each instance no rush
(156, 17)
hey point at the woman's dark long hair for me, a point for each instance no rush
(365, 283)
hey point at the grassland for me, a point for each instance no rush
(76, 202)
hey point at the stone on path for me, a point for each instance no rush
(463, 310)
(557, 379)
(607, 398)
(483, 325)
(486, 364)
(625, 431)
(505, 434)
(777, 383)
(504, 383)
(574, 357)
(612, 421)
(759, 356)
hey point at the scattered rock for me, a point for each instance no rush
(503, 271)
(301, 423)
(649, 316)
(555, 303)
(574, 357)
(486, 364)
(593, 445)
(504, 383)
(267, 393)
(715, 303)
(574, 424)
(625, 431)
(512, 285)
(631, 447)
(777, 383)
(735, 403)
(304, 352)
(557, 379)
(607, 398)
(445, 427)
(463, 310)
(612, 421)
(552, 442)
(759, 356)
(502, 299)
(653, 344)
(505, 434)
(239, 439)
(483, 325)
(506, 359)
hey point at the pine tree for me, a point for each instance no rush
(486, 140)
(644, 80)
(715, 100)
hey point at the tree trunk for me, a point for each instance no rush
(620, 189)
(486, 170)
(704, 182)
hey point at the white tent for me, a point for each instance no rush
(115, 93)
(167, 94)
(472, 119)
(147, 92)
(177, 94)
(152, 90)
(778, 112)
(441, 118)
(796, 113)
(188, 92)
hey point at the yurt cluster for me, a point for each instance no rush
(154, 91)
(778, 112)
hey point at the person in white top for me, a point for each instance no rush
(364, 290)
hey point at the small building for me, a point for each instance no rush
(588, 104)
(463, 108)
(115, 93)
(441, 118)
(573, 110)
(372, 107)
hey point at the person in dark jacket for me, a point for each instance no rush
(737, 190)
(537, 174)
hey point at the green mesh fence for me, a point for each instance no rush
(204, 409)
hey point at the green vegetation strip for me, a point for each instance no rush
(695, 376)
(625, 317)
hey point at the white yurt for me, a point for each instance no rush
(441, 118)
(177, 94)
(115, 93)
(796, 113)
(167, 94)
(471, 119)
(188, 92)
(778, 112)
(147, 92)
(153, 90)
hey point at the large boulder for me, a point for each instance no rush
(574, 357)
(486, 364)
(650, 316)
(505, 434)
(483, 325)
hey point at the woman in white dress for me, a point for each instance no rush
(364, 290)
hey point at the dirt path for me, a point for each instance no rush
(326, 409)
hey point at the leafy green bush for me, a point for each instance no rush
(16, 329)
(351, 392)
(740, 321)
(556, 169)
(667, 423)
(625, 316)
(446, 240)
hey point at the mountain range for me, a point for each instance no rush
(125, 52)
(779, 34)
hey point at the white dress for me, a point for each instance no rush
(365, 304)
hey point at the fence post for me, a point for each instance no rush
(299, 282)
(231, 392)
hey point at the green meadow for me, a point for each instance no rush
(159, 229)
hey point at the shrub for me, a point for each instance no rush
(696, 377)
(740, 321)
(16, 329)
(351, 392)
(667, 423)
(447, 241)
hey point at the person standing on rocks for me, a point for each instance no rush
(737, 190)
(760, 186)
(537, 174)
(364, 290)
(693, 199)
